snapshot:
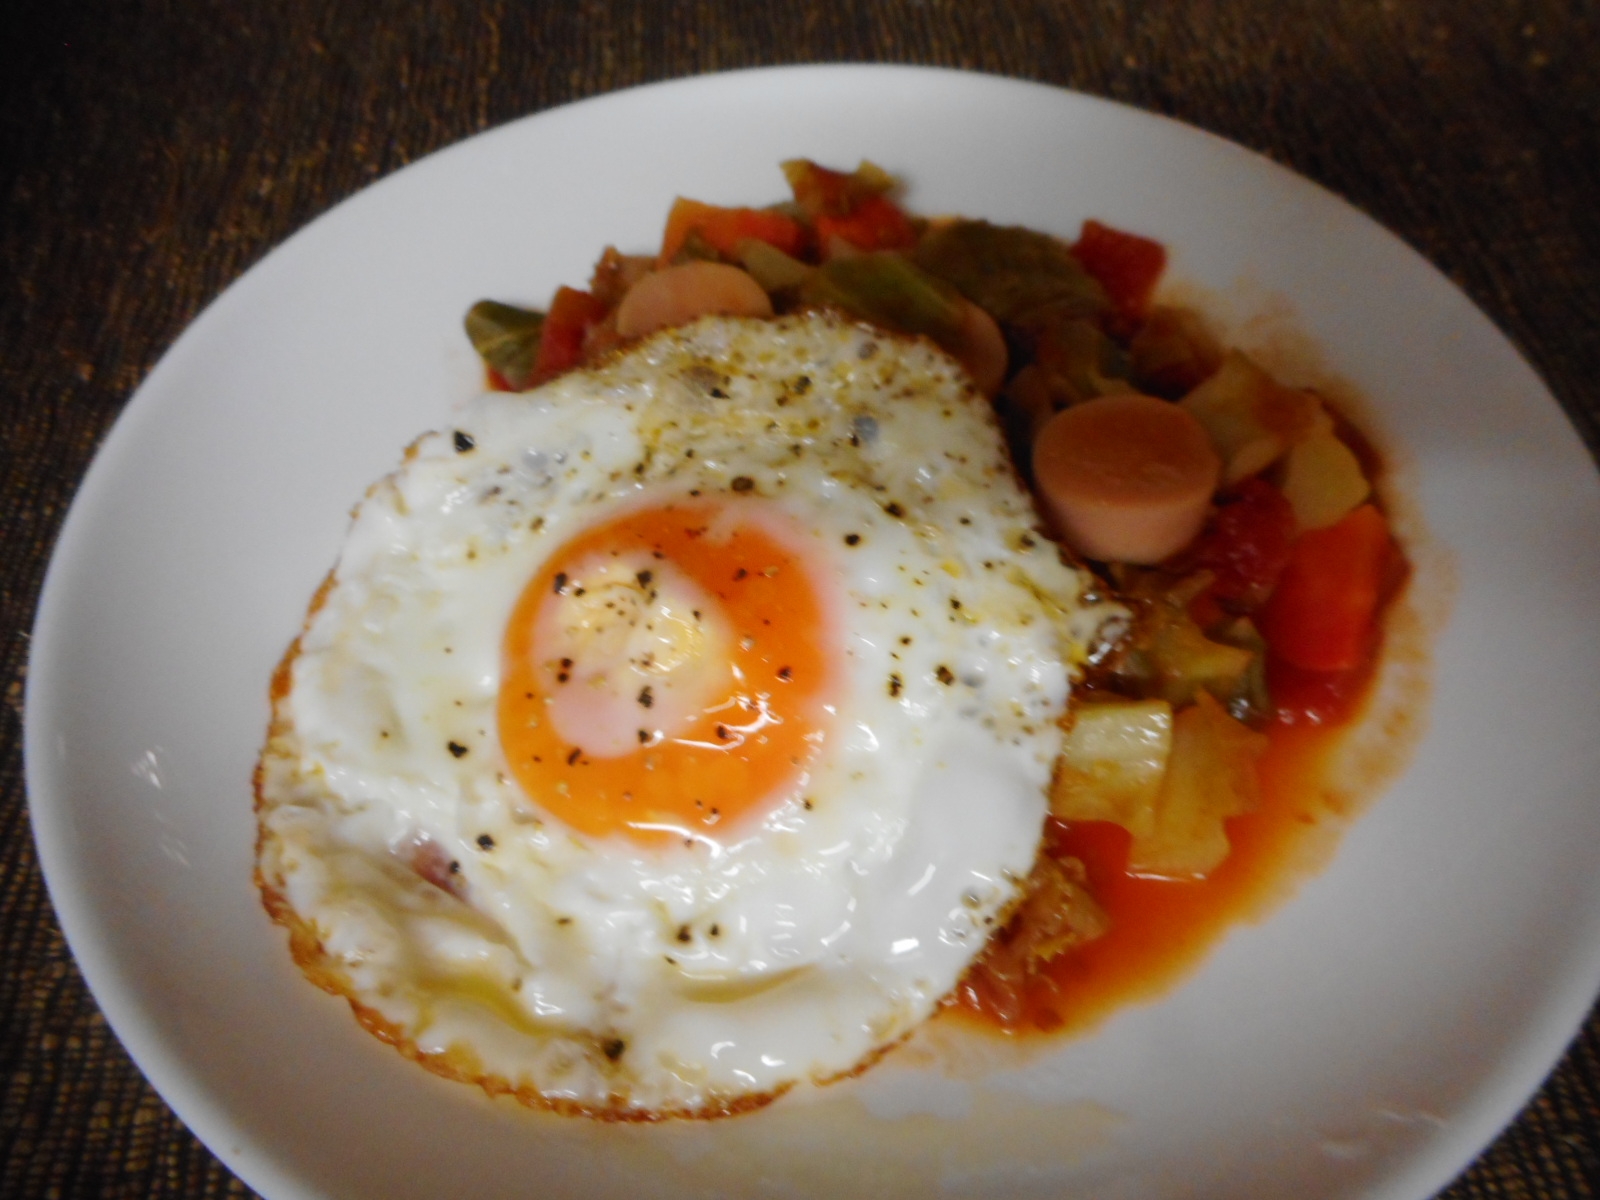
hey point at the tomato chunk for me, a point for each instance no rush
(572, 314)
(1246, 544)
(724, 228)
(1126, 265)
(1323, 614)
(1301, 697)
(877, 223)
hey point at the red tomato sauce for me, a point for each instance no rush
(1161, 928)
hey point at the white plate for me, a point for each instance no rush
(1367, 1039)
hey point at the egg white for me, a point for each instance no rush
(599, 975)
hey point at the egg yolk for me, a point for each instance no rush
(668, 672)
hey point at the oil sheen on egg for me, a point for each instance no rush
(676, 733)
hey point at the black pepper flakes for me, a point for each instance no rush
(464, 442)
(683, 933)
(485, 841)
(944, 675)
(560, 582)
(895, 684)
(644, 578)
(455, 867)
(893, 509)
(574, 756)
(646, 696)
(785, 674)
(613, 1048)
(456, 748)
(852, 539)
(742, 483)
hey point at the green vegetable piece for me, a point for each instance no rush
(1077, 360)
(820, 190)
(1250, 701)
(506, 338)
(1173, 352)
(1189, 662)
(1010, 271)
(1170, 657)
(774, 270)
(885, 288)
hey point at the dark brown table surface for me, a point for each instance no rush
(151, 151)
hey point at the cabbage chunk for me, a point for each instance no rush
(1112, 764)
(1210, 776)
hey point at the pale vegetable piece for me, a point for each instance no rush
(678, 294)
(1112, 763)
(1323, 480)
(1125, 477)
(1251, 417)
(1211, 776)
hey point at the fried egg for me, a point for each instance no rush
(676, 733)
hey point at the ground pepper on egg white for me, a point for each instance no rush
(704, 965)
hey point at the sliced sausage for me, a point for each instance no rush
(1125, 477)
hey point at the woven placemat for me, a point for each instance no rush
(150, 152)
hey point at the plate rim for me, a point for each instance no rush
(1491, 1108)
